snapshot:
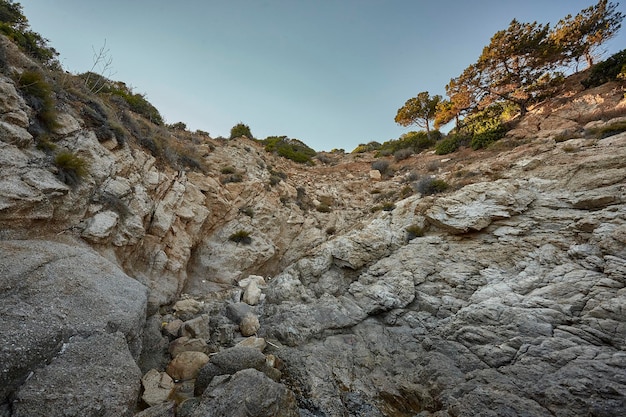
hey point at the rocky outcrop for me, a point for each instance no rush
(350, 295)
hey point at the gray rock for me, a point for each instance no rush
(198, 328)
(91, 376)
(228, 362)
(263, 397)
(157, 387)
(155, 346)
(52, 291)
(160, 410)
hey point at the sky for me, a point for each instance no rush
(331, 73)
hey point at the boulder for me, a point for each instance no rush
(157, 387)
(186, 365)
(185, 344)
(91, 376)
(263, 397)
(51, 292)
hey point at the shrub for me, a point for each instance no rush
(331, 230)
(414, 231)
(388, 206)
(486, 138)
(430, 185)
(447, 145)
(292, 149)
(608, 70)
(417, 141)
(275, 180)
(227, 170)
(38, 94)
(240, 130)
(241, 236)
(71, 168)
(402, 154)
(406, 191)
(381, 165)
(367, 147)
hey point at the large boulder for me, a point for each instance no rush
(248, 393)
(91, 376)
(51, 292)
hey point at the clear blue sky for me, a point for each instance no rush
(331, 73)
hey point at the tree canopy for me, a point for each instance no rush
(419, 110)
(522, 65)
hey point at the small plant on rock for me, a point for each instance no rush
(241, 236)
(430, 185)
(72, 168)
(414, 231)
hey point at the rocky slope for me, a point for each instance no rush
(123, 294)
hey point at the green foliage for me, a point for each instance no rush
(486, 138)
(241, 236)
(38, 94)
(449, 144)
(415, 141)
(177, 126)
(71, 168)
(606, 71)
(414, 231)
(367, 147)
(581, 35)
(136, 102)
(292, 149)
(430, 185)
(240, 130)
(419, 110)
(14, 25)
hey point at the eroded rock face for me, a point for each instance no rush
(510, 309)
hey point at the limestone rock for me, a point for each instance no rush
(228, 362)
(476, 206)
(15, 135)
(198, 328)
(186, 365)
(185, 344)
(157, 387)
(249, 325)
(100, 226)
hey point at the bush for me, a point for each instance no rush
(38, 94)
(71, 168)
(381, 165)
(292, 149)
(240, 130)
(608, 70)
(430, 185)
(609, 129)
(388, 206)
(414, 231)
(14, 25)
(417, 141)
(241, 236)
(367, 147)
(447, 145)
(227, 170)
(486, 138)
(402, 154)
(232, 178)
